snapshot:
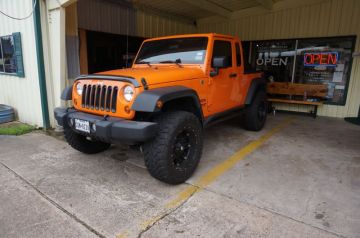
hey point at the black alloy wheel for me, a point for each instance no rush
(183, 147)
(173, 155)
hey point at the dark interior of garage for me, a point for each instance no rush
(110, 51)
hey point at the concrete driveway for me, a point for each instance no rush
(296, 178)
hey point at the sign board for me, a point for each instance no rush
(321, 59)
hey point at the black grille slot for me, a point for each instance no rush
(114, 99)
(87, 96)
(83, 96)
(92, 96)
(108, 98)
(99, 97)
(102, 100)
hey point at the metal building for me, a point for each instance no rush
(60, 40)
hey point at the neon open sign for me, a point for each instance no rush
(321, 59)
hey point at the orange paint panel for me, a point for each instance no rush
(121, 103)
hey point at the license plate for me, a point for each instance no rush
(82, 125)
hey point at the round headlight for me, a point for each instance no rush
(79, 89)
(128, 93)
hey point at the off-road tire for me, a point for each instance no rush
(162, 154)
(256, 112)
(82, 144)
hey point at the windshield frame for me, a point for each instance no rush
(135, 63)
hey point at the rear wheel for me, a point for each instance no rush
(256, 113)
(82, 143)
(173, 155)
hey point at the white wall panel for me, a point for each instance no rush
(21, 93)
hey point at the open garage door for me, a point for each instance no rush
(110, 51)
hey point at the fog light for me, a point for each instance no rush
(93, 127)
(71, 122)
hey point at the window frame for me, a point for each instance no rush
(238, 54)
(231, 64)
(17, 54)
(138, 60)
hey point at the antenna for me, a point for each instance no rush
(127, 37)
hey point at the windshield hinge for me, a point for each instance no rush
(144, 83)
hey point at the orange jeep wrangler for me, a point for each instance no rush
(176, 86)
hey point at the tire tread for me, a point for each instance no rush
(80, 143)
(156, 151)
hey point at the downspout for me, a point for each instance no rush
(41, 66)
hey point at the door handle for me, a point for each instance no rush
(232, 75)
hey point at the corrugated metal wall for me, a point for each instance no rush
(106, 16)
(72, 42)
(328, 18)
(21, 93)
(151, 25)
(122, 18)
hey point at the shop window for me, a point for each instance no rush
(307, 61)
(275, 58)
(326, 61)
(11, 55)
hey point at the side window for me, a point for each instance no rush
(238, 54)
(11, 61)
(221, 49)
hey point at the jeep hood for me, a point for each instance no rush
(158, 75)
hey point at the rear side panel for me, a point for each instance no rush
(256, 84)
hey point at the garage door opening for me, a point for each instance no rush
(107, 51)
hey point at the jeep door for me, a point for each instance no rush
(224, 87)
(240, 81)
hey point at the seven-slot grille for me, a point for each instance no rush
(99, 97)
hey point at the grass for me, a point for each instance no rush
(15, 128)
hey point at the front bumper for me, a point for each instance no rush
(109, 129)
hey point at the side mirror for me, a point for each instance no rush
(218, 63)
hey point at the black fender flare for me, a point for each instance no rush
(146, 100)
(67, 93)
(256, 85)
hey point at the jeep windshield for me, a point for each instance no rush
(191, 50)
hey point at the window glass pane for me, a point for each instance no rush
(238, 55)
(182, 50)
(221, 49)
(274, 58)
(1, 59)
(247, 50)
(325, 61)
(8, 51)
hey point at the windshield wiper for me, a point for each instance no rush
(177, 62)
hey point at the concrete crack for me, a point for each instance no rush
(73, 216)
(168, 212)
(307, 204)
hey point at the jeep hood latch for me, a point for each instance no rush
(144, 83)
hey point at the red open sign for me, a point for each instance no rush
(321, 59)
